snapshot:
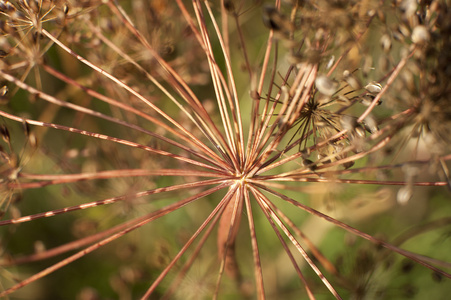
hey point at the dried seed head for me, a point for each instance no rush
(420, 35)
(325, 85)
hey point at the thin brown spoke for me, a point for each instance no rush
(196, 143)
(108, 138)
(256, 255)
(110, 201)
(119, 83)
(174, 79)
(355, 231)
(270, 218)
(137, 224)
(228, 227)
(50, 179)
(207, 221)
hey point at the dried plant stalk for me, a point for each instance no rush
(164, 148)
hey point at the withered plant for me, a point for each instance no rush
(225, 149)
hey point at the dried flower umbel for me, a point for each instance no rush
(174, 146)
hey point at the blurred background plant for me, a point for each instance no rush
(239, 119)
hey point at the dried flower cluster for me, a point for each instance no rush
(215, 149)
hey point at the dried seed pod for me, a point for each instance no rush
(409, 7)
(343, 100)
(367, 65)
(325, 85)
(273, 19)
(39, 246)
(72, 153)
(309, 164)
(385, 43)
(229, 6)
(437, 277)
(381, 15)
(5, 133)
(404, 194)
(3, 91)
(26, 128)
(305, 153)
(351, 80)
(370, 124)
(409, 81)
(348, 164)
(32, 140)
(3, 95)
(330, 62)
(348, 123)
(383, 63)
(322, 156)
(360, 131)
(420, 35)
(373, 87)
(3, 53)
(404, 30)
(284, 94)
(367, 99)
